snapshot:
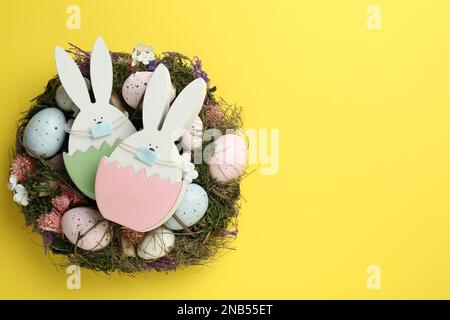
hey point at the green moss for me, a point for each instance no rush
(121, 72)
(180, 68)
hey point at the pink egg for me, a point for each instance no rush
(229, 157)
(133, 88)
(86, 228)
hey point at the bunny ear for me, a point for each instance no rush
(186, 107)
(101, 71)
(71, 78)
(156, 98)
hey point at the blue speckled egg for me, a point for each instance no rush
(192, 207)
(45, 132)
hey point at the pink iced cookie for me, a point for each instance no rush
(133, 200)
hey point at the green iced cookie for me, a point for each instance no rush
(82, 166)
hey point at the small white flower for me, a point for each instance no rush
(189, 172)
(142, 53)
(21, 195)
(145, 57)
(12, 182)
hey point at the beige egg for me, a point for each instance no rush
(63, 100)
(86, 228)
(193, 139)
(156, 244)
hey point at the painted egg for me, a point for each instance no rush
(156, 244)
(63, 100)
(44, 134)
(87, 226)
(192, 207)
(133, 88)
(193, 138)
(228, 159)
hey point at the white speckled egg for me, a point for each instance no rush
(193, 138)
(45, 132)
(95, 232)
(156, 244)
(192, 207)
(63, 100)
(133, 88)
(228, 159)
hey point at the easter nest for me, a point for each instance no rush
(45, 191)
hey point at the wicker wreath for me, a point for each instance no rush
(69, 219)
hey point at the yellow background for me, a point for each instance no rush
(364, 120)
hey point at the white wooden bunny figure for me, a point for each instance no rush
(143, 181)
(99, 127)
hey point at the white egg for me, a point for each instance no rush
(63, 100)
(192, 207)
(156, 244)
(86, 228)
(45, 133)
(193, 138)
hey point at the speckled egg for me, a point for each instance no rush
(133, 88)
(228, 159)
(156, 244)
(45, 132)
(193, 138)
(95, 232)
(192, 207)
(63, 100)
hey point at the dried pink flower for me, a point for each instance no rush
(212, 116)
(74, 197)
(22, 166)
(50, 221)
(132, 236)
(61, 203)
